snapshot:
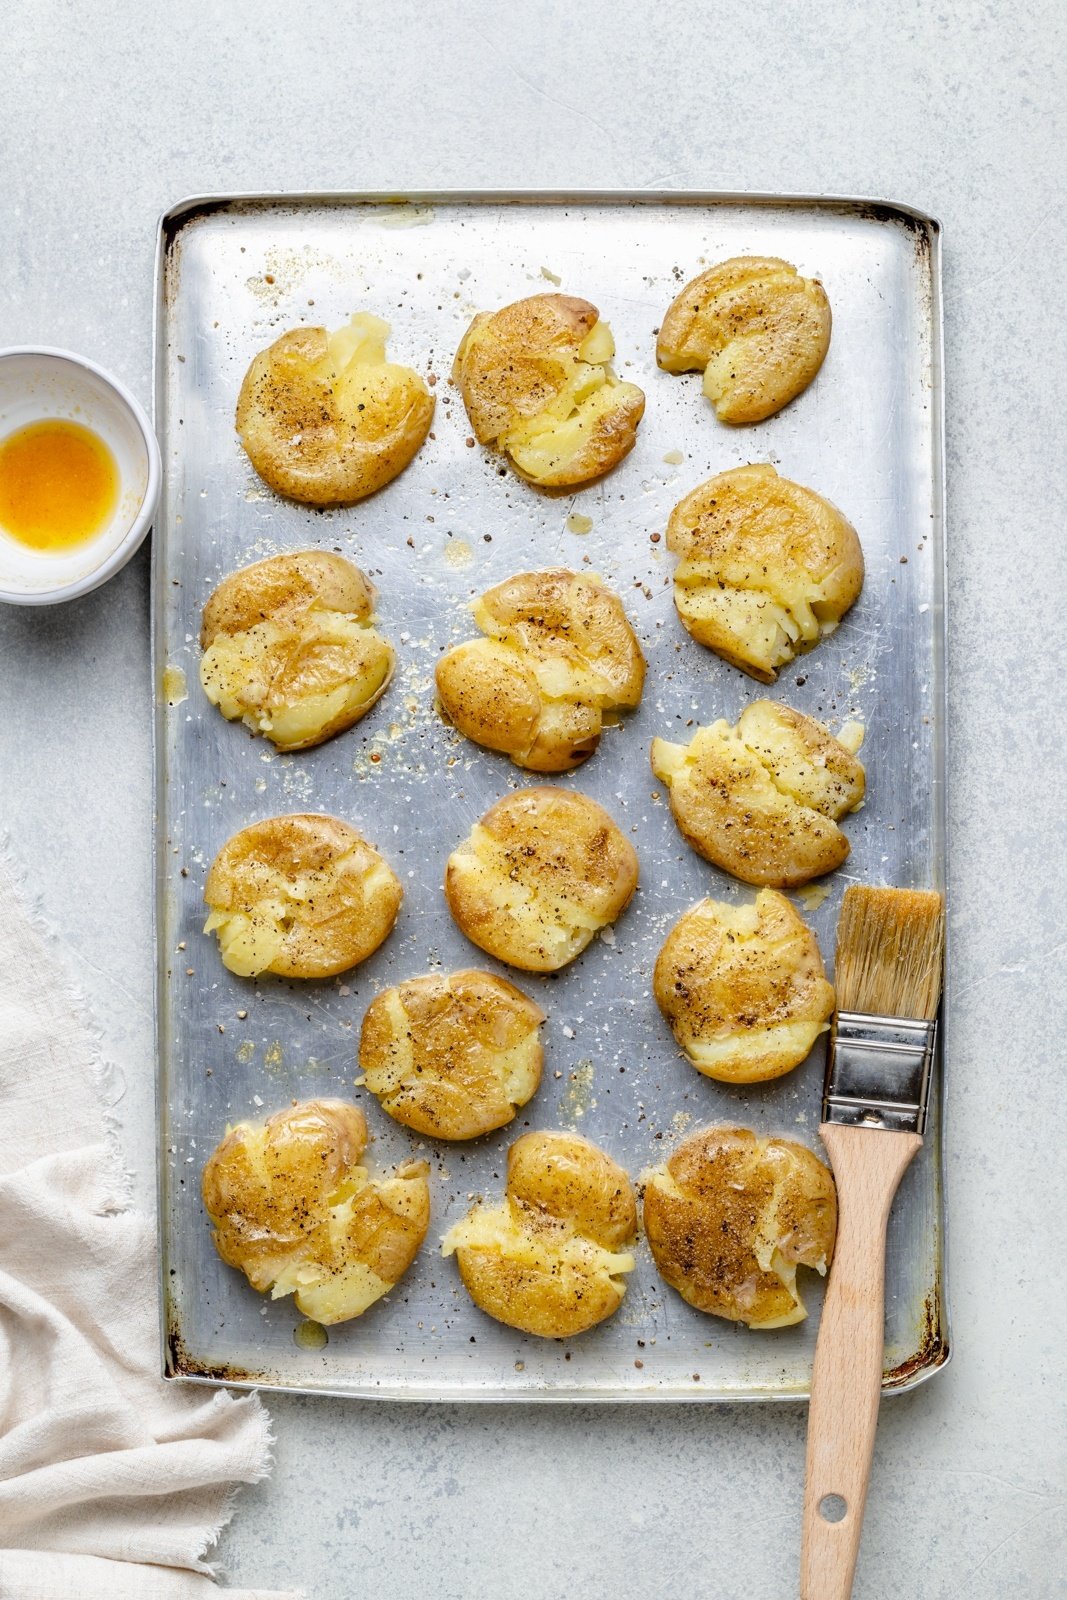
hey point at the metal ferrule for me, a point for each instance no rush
(878, 1072)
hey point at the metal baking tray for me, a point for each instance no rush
(232, 274)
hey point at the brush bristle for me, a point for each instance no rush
(890, 952)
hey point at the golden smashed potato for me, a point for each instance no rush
(743, 988)
(730, 1216)
(766, 567)
(294, 1209)
(551, 1259)
(303, 896)
(558, 653)
(537, 383)
(453, 1057)
(756, 329)
(541, 873)
(289, 648)
(762, 800)
(326, 419)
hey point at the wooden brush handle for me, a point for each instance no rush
(846, 1383)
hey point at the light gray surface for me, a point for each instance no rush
(111, 112)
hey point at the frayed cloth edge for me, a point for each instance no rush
(105, 1078)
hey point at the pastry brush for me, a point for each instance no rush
(890, 951)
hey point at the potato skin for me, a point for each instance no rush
(743, 988)
(514, 364)
(309, 440)
(508, 363)
(271, 643)
(757, 329)
(729, 1217)
(339, 897)
(761, 800)
(569, 1177)
(550, 1260)
(766, 567)
(542, 872)
(282, 588)
(452, 1056)
(293, 1209)
(559, 651)
(491, 694)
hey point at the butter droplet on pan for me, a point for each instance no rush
(458, 553)
(812, 895)
(173, 687)
(402, 216)
(310, 1336)
(851, 736)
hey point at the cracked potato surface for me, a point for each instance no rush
(743, 988)
(762, 800)
(757, 330)
(294, 1209)
(537, 382)
(290, 649)
(452, 1056)
(730, 1216)
(558, 654)
(326, 419)
(766, 567)
(551, 1259)
(538, 877)
(303, 896)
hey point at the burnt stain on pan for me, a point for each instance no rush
(920, 227)
(172, 222)
(923, 231)
(181, 1364)
(931, 1351)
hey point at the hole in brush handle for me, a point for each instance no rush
(833, 1508)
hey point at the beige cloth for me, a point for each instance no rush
(104, 1467)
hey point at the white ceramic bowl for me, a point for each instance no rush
(36, 383)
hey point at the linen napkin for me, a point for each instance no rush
(113, 1483)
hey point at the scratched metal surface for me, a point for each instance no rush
(867, 434)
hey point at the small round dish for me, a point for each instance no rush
(37, 383)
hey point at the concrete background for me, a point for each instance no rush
(109, 113)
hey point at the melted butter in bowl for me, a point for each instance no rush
(79, 476)
(59, 484)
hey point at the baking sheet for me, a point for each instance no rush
(233, 274)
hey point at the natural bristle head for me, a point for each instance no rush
(890, 952)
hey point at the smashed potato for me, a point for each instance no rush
(730, 1216)
(295, 1211)
(558, 653)
(453, 1057)
(756, 329)
(551, 1259)
(289, 648)
(303, 896)
(541, 873)
(743, 988)
(767, 568)
(762, 800)
(537, 383)
(326, 419)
